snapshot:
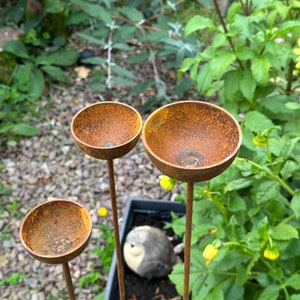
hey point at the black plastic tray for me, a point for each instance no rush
(160, 209)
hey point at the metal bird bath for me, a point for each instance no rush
(108, 130)
(56, 232)
(191, 141)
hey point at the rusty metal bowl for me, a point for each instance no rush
(56, 231)
(191, 140)
(106, 130)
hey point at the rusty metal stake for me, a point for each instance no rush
(68, 280)
(116, 229)
(187, 244)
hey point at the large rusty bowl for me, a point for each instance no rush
(56, 231)
(191, 140)
(106, 130)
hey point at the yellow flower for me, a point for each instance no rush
(210, 253)
(271, 253)
(102, 212)
(167, 182)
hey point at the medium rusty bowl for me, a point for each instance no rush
(56, 231)
(191, 140)
(106, 130)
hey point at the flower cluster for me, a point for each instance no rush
(297, 52)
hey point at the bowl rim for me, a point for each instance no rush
(52, 256)
(194, 169)
(138, 133)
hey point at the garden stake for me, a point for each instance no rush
(120, 270)
(191, 141)
(108, 130)
(56, 232)
(188, 238)
(68, 280)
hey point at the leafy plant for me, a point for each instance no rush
(13, 279)
(105, 251)
(116, 27)
(249, 60)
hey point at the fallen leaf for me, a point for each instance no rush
(82, 72)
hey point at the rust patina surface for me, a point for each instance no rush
(56, 231)
(191, 140)
(106, 130)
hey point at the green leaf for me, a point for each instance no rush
(138, 58)
(295, 205)
(204, 78)
(248, 85)
(25, 129)
(63, 57)
(256, 121)
(123, 72)
(56, 72)
(17, 48)
(131, 13)
(54, 6)
(266, 191)
(94, 10)
(289, 167)
(271, 292)
(293, 105)
(237, 184)
(231, 84)
(293, 281)
(260, 69)
(284, 232)
(198, 22)
(37, 84)
(221, 63)
(289, 147)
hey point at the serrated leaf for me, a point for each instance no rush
(289, 147)
(256, 121)
(295, 205)
(25, 129)
(221, 63)
(260, 69)
(289, 167)
(271, 292)
(284, 232)
(248, 85)
(231, 84)
(237, 184)
(266, 191)
(293, 281)
(204, 78)
(198, 22)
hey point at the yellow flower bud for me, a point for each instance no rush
(271, 253)
(259, 140)
(167, 182)
(102, 212)
(210, 252)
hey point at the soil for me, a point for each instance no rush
(138, 288)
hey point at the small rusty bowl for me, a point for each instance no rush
(56, 231)
(191, 140)
(106, 130)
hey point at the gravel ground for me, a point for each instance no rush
(51, 166)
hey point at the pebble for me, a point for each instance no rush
(52, 166)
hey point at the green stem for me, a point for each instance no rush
(270, 174)
(286, 293)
